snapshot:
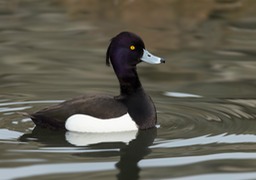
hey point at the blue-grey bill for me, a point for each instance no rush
(150, 58)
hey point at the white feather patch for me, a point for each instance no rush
(86, 123)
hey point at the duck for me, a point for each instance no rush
(132, 109)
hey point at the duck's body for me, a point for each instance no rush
(125, 52)
(136, 106)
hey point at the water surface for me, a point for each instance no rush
(205, 93)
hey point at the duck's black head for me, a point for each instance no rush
(125, 51)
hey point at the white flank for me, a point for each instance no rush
(86, 123)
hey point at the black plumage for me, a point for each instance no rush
(124, 53)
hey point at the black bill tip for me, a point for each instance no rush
(162, 60)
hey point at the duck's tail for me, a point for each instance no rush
(25, 114)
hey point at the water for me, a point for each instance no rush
(204, 94)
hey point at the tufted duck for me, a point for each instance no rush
(133, 109)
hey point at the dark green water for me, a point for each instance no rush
(205, 94)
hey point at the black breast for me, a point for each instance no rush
(141, 109)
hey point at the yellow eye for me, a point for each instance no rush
(132, 47)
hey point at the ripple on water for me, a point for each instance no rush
(6, 135)
(59, 168)
(224, 138)
(198, 107)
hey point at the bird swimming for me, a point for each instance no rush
(132, 109)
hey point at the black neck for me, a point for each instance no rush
(139, 104)
(129, 83)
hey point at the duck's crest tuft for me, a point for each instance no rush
(108, 55)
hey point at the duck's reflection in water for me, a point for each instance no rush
(131, 152)
(87, 139)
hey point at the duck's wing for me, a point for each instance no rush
(103, 107)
